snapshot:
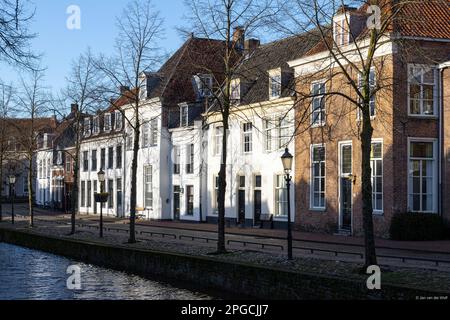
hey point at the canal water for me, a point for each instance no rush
(30, 274)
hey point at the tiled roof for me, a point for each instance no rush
(254, 70)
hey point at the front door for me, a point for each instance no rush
(257, 207)
(176, 203)
(241, 207)
(345, 187)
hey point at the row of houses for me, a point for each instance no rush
(180, 148)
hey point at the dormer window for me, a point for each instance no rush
(204, 84)
(341, 30)
(235, 90)
(143, 87)
(107, 122)
(87, 127)
(96, 126)
(274, 84)
(118, 120)
(184, 115)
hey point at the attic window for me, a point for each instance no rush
(118, 120)
(341, 30)
(274, 84)
(107, 124)
(204, 84)
(96, 126)
(87, 127)
(235, 89)
(184, 116)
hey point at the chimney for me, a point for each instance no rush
(251, 45)
(124, 89)
(73, 107)
(239, 37)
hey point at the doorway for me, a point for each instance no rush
(176, 203)
(345, 186)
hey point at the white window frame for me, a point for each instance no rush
(96, 126)
(377, 211)
(148, 172)
(184, 115)
(277, 188)
(87, 127)
(235, 89)
(421, 101)
(275, 78)
(373, 99)
(218, 136)
(321, 121)
(339, 22)
(118, 123)
(312, 177)
(434, 177)
(270, 135)
(153, 132)
(107, 122)
(247, 137)
(190, 154)
(204, 85)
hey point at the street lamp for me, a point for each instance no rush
(101, 197)
(287, 160)
(12, 181)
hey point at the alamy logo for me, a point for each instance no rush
(74, 20)
(374, 20)
(74, 280)
(374, 281)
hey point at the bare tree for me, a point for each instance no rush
(6, 101)
(229, 21)
(351, 56)
(82, 92)
(15, 17)
(137, 52)
(32, 100)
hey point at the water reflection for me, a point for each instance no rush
(30, 274)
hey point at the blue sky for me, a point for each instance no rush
(60, 45)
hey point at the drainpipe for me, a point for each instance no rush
(442, 67)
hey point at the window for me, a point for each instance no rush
(423, 90)
(145, 135)
(102, 158)
(422, 176)
(87, 127)
(96, 126)
(318, 177)
(277, 132)
(204, 85)
(218, 137)
(94, 160)
(107, 124)
(318, 104)
(190, 159)
(184, 116)
(341, 33)
(189, 200)
(275, 86)
(110, 193)
(258, 181)
(154, 132)
(68, 164)
(176, 159)
(83, 194)
(269, 133)
(89, 196)
(119, 157)
(247, 137)
(284, 132)
(59, 159)
(110, 157)
(148, 187)
(85, 161)
(280, 196)
(129, 139)
(235, 90)
(49, 166)
(118, 121)
(372, 85)
(376, 161)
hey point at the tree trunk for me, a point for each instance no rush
(133, 194)
(74, 192)
(222, 188)
(30, 192)
(366, 184)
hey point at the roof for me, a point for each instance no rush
(254, 69)
(426, 19)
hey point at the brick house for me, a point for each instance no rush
(410, 150)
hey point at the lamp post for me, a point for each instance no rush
(12, 181)
(286, 159)
(101, 179)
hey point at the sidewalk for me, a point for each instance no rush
(432, 246)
